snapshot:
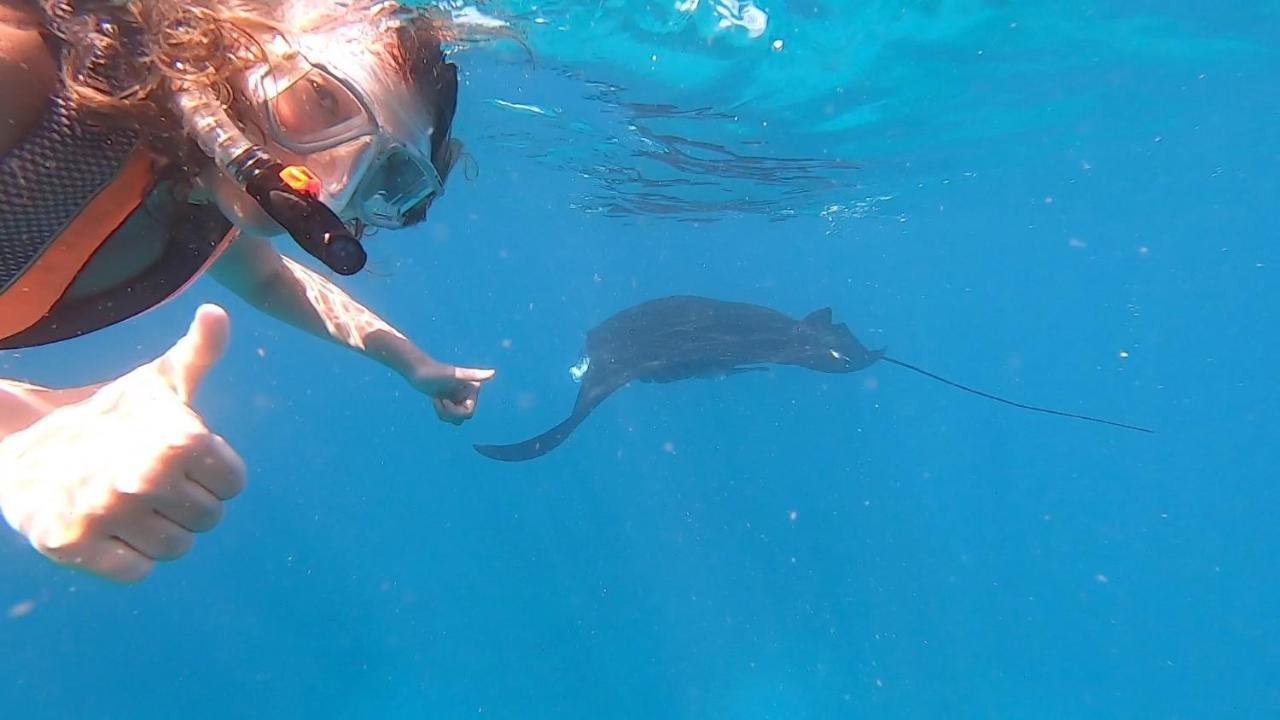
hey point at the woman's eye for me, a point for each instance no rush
(324, 97)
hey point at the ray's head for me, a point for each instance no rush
(830, 347)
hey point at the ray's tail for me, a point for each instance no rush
(999, 399)
(535, 446)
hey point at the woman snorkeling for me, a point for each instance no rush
(145, 142)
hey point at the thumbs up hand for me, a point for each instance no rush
(123, 478)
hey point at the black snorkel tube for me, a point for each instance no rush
(290, 195)
(299, 211)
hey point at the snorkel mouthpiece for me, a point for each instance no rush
(290, 195)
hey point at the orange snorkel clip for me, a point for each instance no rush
(300, 178)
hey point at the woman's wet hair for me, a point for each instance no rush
(119, 58)
(434, 79)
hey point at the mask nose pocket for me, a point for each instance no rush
(340, 170)
(398, 184)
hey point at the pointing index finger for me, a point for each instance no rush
(472, 374)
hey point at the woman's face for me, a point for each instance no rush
(336, 104)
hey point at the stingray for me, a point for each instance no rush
(684, 337)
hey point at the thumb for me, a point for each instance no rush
(184, 366)
(472, 374)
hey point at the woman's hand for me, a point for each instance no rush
(453, 390)
(124, 478)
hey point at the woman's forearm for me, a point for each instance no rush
(310, 302)
(22, 404)
(290, 292)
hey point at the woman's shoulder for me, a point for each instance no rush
(28, 71)
(20, 13)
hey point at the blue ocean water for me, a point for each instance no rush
(1069, 204)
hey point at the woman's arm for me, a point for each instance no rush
(273, 283)
(22, 404)
(28, 73)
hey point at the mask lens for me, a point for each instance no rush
(317, 112)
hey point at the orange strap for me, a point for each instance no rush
(32, 294)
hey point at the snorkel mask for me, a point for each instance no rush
(362, 148)
(373, 153)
